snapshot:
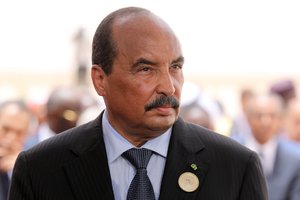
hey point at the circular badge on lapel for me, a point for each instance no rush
(188, 182)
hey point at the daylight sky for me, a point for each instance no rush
(217, 36)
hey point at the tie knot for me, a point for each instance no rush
(139, 158)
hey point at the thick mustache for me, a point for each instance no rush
(161, 101)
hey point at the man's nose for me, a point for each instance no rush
(166, 84)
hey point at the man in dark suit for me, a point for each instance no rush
(280, 158)
(137, 68)
(14, 126)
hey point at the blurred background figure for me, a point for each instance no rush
(37, 107)
(62, 110)
(292, 120)
(281, 163)
(192, 96)
(196, 114)
(91, 107)
(90, 113)
(286, 89)
(15, 121)
(240, 124)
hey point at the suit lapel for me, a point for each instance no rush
(185, 149)
(88, 173)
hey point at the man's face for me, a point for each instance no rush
(14, 125)
(64, 116)
(264, 118)
(148, 66)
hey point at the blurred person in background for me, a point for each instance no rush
(280, 162)
(63, 108)
(240, 124)
(211, 113)
(196, 114)
(292, 121)
(15, 121)
(90, 113)
(91, 106)
(193, 95)
(192, 107)
(286, 89)
(38, 110)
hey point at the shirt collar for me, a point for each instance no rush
(269, 147)
(116, 144)
(267, 152)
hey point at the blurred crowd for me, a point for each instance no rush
(268, 123)
(26, 123)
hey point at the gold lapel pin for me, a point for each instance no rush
(188, 182)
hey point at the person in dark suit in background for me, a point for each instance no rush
(15, 121)
(137, 69)
(62, 111)
(280, 158)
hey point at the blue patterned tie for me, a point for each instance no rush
(140, 187)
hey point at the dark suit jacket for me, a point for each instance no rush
(4, 182)
(73, 165)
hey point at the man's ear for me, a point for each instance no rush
(98, 78)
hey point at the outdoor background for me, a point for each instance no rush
(227, 45)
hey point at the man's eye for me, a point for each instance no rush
(176, 66)
(146, 69)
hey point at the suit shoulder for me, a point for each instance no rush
(289, 152)
(222, 154)
(215, 142)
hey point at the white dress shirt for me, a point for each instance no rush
(266, 152)
(121, 171)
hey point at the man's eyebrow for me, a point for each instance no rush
(143, 61)
(148, 62)
(178, 60)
